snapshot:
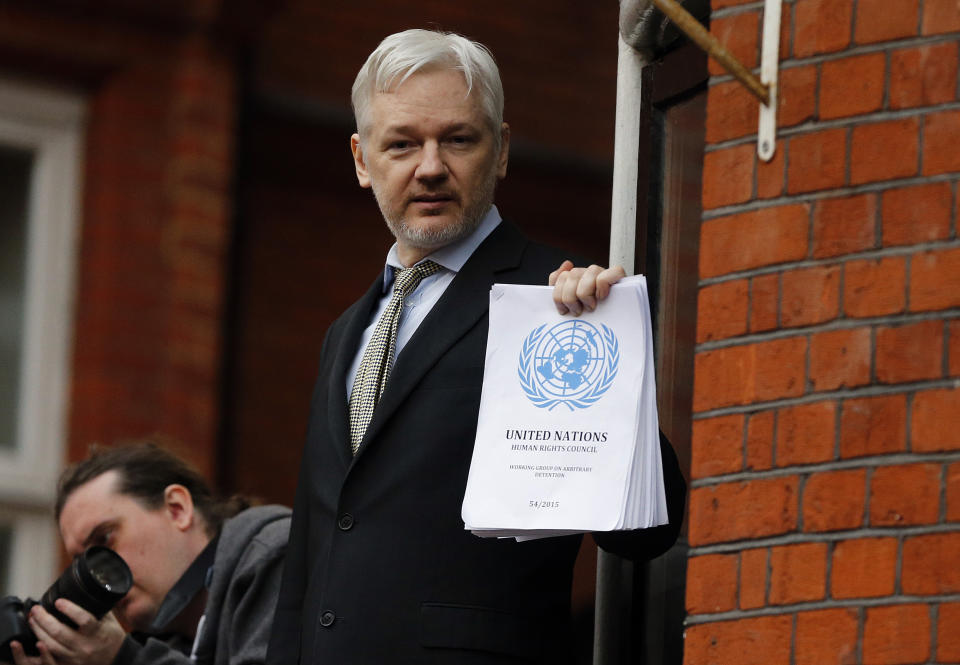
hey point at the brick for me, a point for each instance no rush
(844, 225)
(834, 500)
(948, 633)
(873, 146)
(881, 20)
(797, 95)
(911, 352)
(806, 433)
(935, 421)
(905, 494)
(717, 446)
(852, 558)
(818, 160)
(744, 510)
(754, 641)
(873, 426)
(760, 441)
(852, 86)
(822, 26)
(930, 564)
(954, 349)
(897, 634)
(874, 287)
(935, 280)
(764, 302)
(728, 176)
(916, 214)
(923, 76)
(953, 492)
(749, 373)
(771, 176)
(840, 359)
(753, 239)
(722, 310)
(753, 578)
(739, 33)
(826, 637)
(940, 16)
(712, 583)
(731, 112)
(941, 135)
(798, 573)
(810, 296)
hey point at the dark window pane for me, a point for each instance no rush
(15, 167)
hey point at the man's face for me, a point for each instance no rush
(152, 543)
(432, 160)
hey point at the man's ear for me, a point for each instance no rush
(504, 151)
(178, 504)
(363, 177)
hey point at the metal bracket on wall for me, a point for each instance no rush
(764, 88)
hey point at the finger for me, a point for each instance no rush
(20, 656)
(564, 267)
(608, 278)
(557, 295)
(51, 632)
(587, 288)
(86, 622)
(46, 658)
(568, 293)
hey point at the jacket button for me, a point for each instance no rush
(345, 522)
(327, 619)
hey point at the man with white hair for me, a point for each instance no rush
(379, 567)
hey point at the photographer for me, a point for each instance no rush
(205, 573)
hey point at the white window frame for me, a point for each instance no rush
(51, 125)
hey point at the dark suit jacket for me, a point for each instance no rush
(379, 567)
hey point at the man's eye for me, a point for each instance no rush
(400, 145)
(103, 538)
(461, 140)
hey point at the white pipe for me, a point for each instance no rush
(613, 573)
(626, 149)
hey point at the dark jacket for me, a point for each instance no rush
(241, 596)
(380, 568)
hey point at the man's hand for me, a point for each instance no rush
(579, 289)
(92, 643)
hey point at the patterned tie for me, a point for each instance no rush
(377, 361)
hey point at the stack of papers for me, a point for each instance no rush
(567, 438)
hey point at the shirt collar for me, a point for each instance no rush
(452, 256)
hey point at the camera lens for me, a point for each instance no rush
(96, 580)
(105, 574)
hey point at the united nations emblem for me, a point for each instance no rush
(571, 363)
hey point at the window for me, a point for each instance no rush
(40, 139)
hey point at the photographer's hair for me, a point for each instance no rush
(144, 471)
(402, 54)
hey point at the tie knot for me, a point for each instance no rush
(408, 278)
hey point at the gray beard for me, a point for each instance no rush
(436, 238)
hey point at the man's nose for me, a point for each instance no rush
(431, 166)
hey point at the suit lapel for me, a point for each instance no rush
(464, 302)
(343, 355)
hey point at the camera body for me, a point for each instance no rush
(95, 580)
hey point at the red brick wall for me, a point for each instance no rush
(154, 223)
(153, 252)
(825, 504)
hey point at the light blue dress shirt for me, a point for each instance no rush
(418, 304)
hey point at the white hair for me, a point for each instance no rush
(403, 54)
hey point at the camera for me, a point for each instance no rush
(95, 580)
